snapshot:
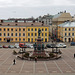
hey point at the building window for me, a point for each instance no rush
(46, 29)
(65, 34)
(69, 34)
(19, 39)
(45, 34)
(15, 29)
(23, 39)
(8, 24)
(8, 34)
(8, 29)
(0, 39)
(32, 40)
(23, 29)
(4, 29)
(65, 29)
(31, 34)
(72, 29)
(4, 39)
(72, 34)
(35, 34)
(16, 39)
(35, 29)
(23, 34)
(28, 34)
(19, 34)
(42, 29)
(4, 34)
(0, 34)
(0, 29)
(69, 29)
(15, 34)
(28, 29)
(28, 39)
(32, 29)
(0, 24)
(11, 29)
(19, 29)
(11, 34)
(42, 34)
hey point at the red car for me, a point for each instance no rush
(5, 46)
(22, 45)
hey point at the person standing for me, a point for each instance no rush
(14, 62)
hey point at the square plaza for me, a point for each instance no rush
(63, 66)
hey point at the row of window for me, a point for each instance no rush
(69, 29)
(37, 29)
(37, 34)
(15, 39)
(20, 34)
(12, 29)
(8, 29)
(21, 39)
(16, 34)
(69, 34)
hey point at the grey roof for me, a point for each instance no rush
(57, 15)
(67, 24)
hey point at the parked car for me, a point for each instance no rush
(22, 45)
(5, 46)
(1, 46)
(61, 45)
(50, 45)
(11, 46)
(16, 46)
(31, 46)
(72, 44)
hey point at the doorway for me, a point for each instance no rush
(8, 40)
(69, 39)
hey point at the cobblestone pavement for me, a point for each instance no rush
(64, 65)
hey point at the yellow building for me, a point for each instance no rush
(66, 32)
(11, 31)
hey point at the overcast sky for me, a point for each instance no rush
(35, 8)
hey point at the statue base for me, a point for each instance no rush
(39, 54)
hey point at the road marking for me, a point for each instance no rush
(68, 65)
(69, 57)
(3, 54)
(58, 67)
(22, 67)
(34, 67)
(46, 67)
(9, 68)
(6, 59)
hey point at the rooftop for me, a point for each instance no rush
(67, 24)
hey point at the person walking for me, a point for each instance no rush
(14, 62)
(35, 59)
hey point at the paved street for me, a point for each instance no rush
(66, 64)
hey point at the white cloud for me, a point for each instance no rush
(35, 3)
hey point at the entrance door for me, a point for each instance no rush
(45, 40)
(8, 40)
(69, 39)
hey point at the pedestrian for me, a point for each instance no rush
(35, 59)
(74, 55)
(14, 62)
